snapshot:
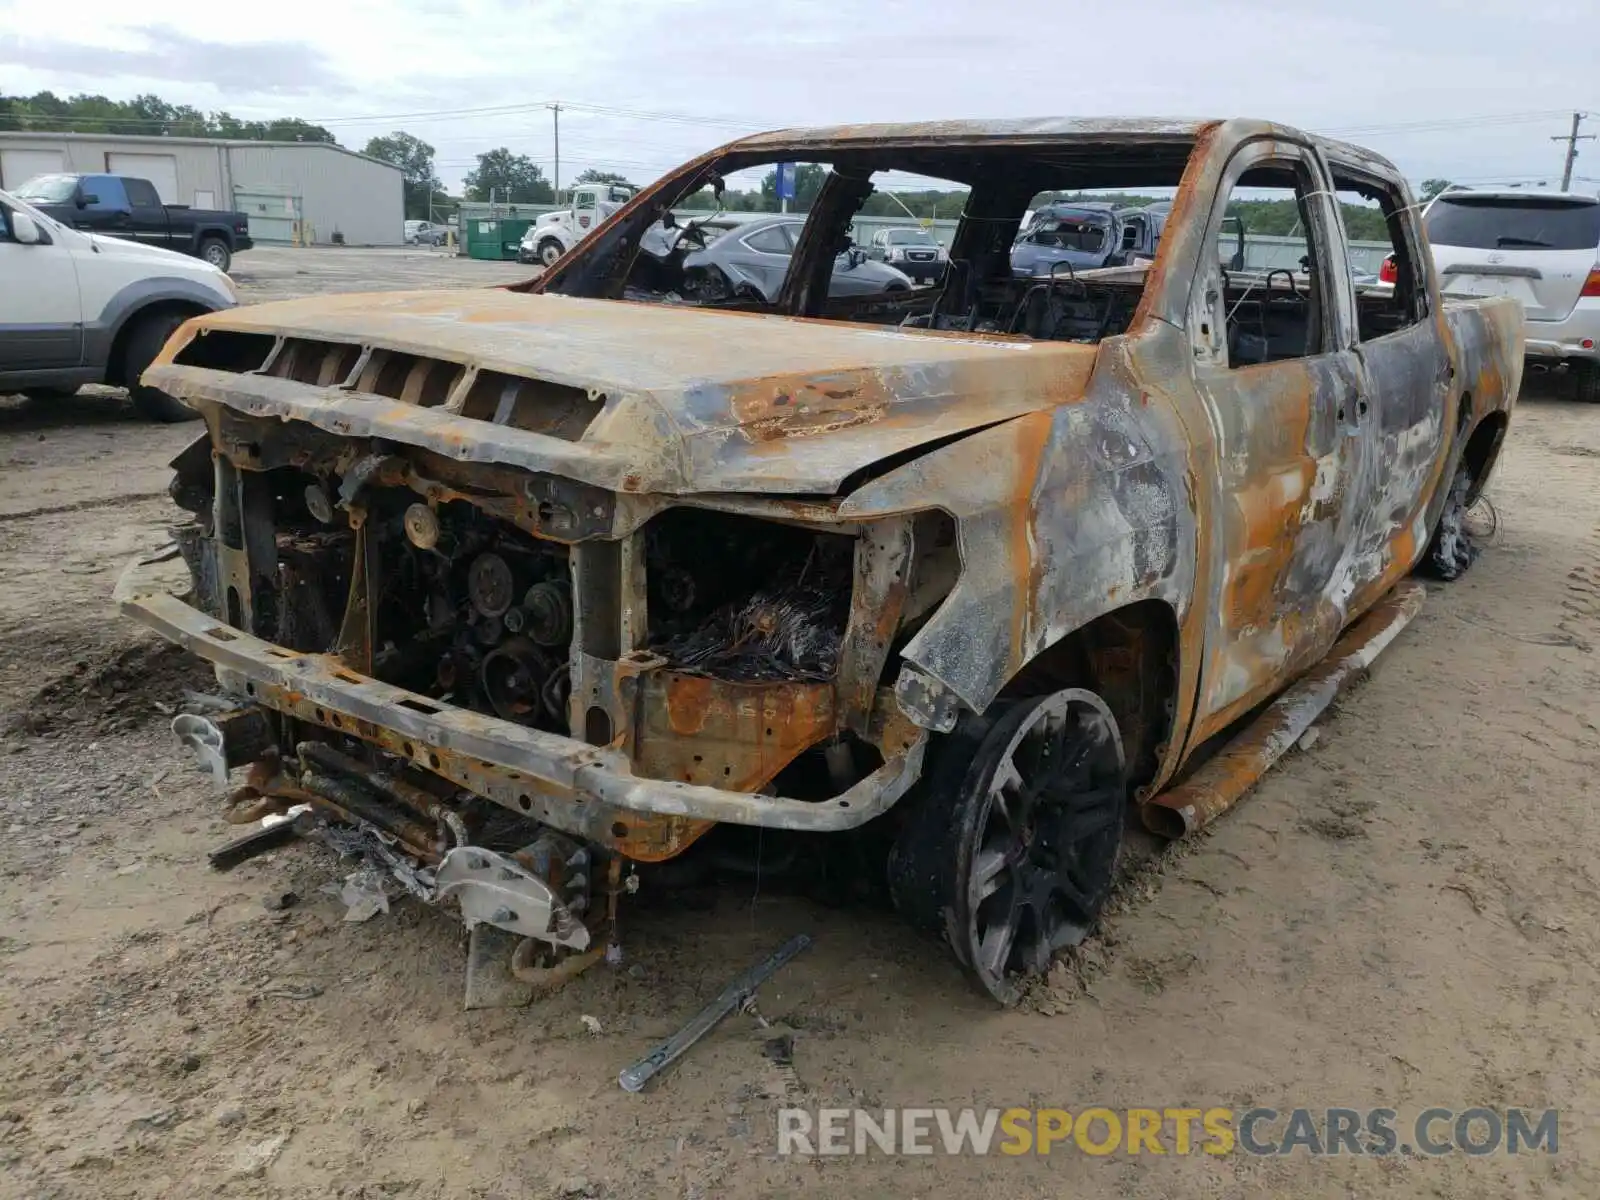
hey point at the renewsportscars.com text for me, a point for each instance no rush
(1375, 1132)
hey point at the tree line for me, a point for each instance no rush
(147, 116)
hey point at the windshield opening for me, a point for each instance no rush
(761, 231)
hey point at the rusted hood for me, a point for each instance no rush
(685, 400)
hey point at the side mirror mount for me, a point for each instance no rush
(668, 221)
(87, 198)
(26, 230)
(857, 256)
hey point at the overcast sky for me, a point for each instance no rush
(1468, 89)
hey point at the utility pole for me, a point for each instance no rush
(1572, 139)
(555, 115)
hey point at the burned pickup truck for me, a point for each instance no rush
(533, 587)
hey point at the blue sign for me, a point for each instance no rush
(785, 181)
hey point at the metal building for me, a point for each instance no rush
(293, 192)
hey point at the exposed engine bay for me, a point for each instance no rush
(473, 611)
(442, 590)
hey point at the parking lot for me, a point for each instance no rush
(1405, 914)
(282, 272)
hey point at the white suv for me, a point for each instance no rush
(1541, 247)
(79, 308)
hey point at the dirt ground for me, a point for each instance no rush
(282, 272)
(1405, 915)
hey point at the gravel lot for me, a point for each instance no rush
(281, 272)
(1405, 915)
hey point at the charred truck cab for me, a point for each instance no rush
(521, 589)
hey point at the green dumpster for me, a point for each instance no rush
(495, 238)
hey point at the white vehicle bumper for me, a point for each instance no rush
(1578, 336)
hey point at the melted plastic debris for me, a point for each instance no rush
(789, 634)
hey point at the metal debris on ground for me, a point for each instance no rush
(735, 996)
(591, 1024)
(258, 841)
(364, 892)
(364, 842)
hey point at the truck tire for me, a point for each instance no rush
(1452, 549)
(215, 251)
(1010, 856)
(549, 251)
(1587, 385)
(144, 343)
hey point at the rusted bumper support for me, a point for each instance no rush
(1222, 782)
(573, 771)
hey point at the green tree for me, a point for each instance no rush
(289, 129)
(923, 205)
(148, 115)
(414, 157)
(808, 179)
(1432, 187)
(593, 176)
(512, 178)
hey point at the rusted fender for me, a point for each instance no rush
(1062, 517)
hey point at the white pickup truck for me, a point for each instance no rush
(79, 308)
(554, 233)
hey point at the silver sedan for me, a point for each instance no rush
(756, 255)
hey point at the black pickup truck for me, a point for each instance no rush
(121, 206)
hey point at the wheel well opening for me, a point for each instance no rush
(1129, 658)
(119, 344)
(1482, 448)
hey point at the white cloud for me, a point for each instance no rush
(1331, 65)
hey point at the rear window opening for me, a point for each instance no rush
(1496, 222)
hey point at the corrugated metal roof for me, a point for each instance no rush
(142, 139)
